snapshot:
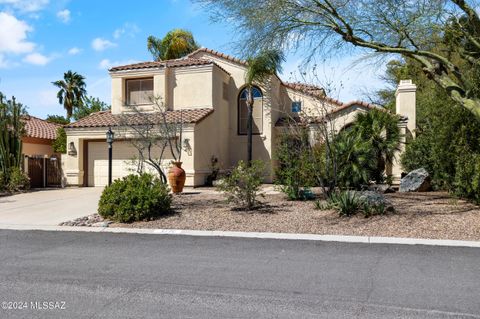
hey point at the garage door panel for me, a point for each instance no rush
(123, 153)
(98, 161)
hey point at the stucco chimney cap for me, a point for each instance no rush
(406, 86)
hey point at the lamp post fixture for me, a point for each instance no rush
(110, 137)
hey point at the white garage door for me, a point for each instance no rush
(123, 152)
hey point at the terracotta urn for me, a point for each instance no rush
(176, 177)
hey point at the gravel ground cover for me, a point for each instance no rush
(432, 215)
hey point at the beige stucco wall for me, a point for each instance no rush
(33, 149)
(191, 87)
(262, 144)
(74, 163)
(178, 88)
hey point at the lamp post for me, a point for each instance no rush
(110, 136)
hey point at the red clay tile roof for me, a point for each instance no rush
(311, 90)
(176, 63)
(219, 54)
(105, 118)
(161, 64)
(304, 87)
(38, 128)
(283, 121)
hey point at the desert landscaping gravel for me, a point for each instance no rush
(432, 215)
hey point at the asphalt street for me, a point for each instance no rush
(106, 275)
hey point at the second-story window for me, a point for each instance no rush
(139, 91)
(296, 107)
(257, 111)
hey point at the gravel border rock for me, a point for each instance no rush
(93, 220)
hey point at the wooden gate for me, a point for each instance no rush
(54, 171)
(44, 172)
(35, 171)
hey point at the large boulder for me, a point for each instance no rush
(416, 181)
(374, 199)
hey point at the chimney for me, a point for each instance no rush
(406, 103)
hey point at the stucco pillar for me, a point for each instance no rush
(395, 167)
(405, 104)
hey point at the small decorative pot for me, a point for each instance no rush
(176, 177)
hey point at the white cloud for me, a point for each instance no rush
(26, 5)
(74, 51)
(64, 15)
(13, 35)
(129, 29)
(107, 64)
(3, 63)
(99, 44)
(36, 59)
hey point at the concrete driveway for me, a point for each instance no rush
(48, 207)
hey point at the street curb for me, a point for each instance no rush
(258, 235)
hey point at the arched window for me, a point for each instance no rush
(257, 111)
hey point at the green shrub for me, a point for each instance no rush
(467, 177)
(242, 186)
(3, 182)
(135, 198)
(297, 165)
(348, 203)
(60, 143)
(17, 180)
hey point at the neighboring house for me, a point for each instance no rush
(207, 89)
(39, 136)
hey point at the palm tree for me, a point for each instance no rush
(380, 129)
(177, 43)
(260, 69)
(353, 157)
(72, 91)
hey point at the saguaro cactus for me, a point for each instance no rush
(11, 131)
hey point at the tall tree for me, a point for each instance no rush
(175, 44)
(72, 91)
(90, 105)
(259, 71)
(412, 29)
(59, 119)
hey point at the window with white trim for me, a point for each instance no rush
(139, 91)
(257, 111)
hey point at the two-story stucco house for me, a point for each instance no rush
(208, 88)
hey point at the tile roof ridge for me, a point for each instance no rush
(219, 54)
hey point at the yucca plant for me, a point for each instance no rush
(346, 202)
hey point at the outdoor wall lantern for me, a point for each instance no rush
(187, 147)
(110, 137)
(71, 149)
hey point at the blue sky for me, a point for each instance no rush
(41, 39)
